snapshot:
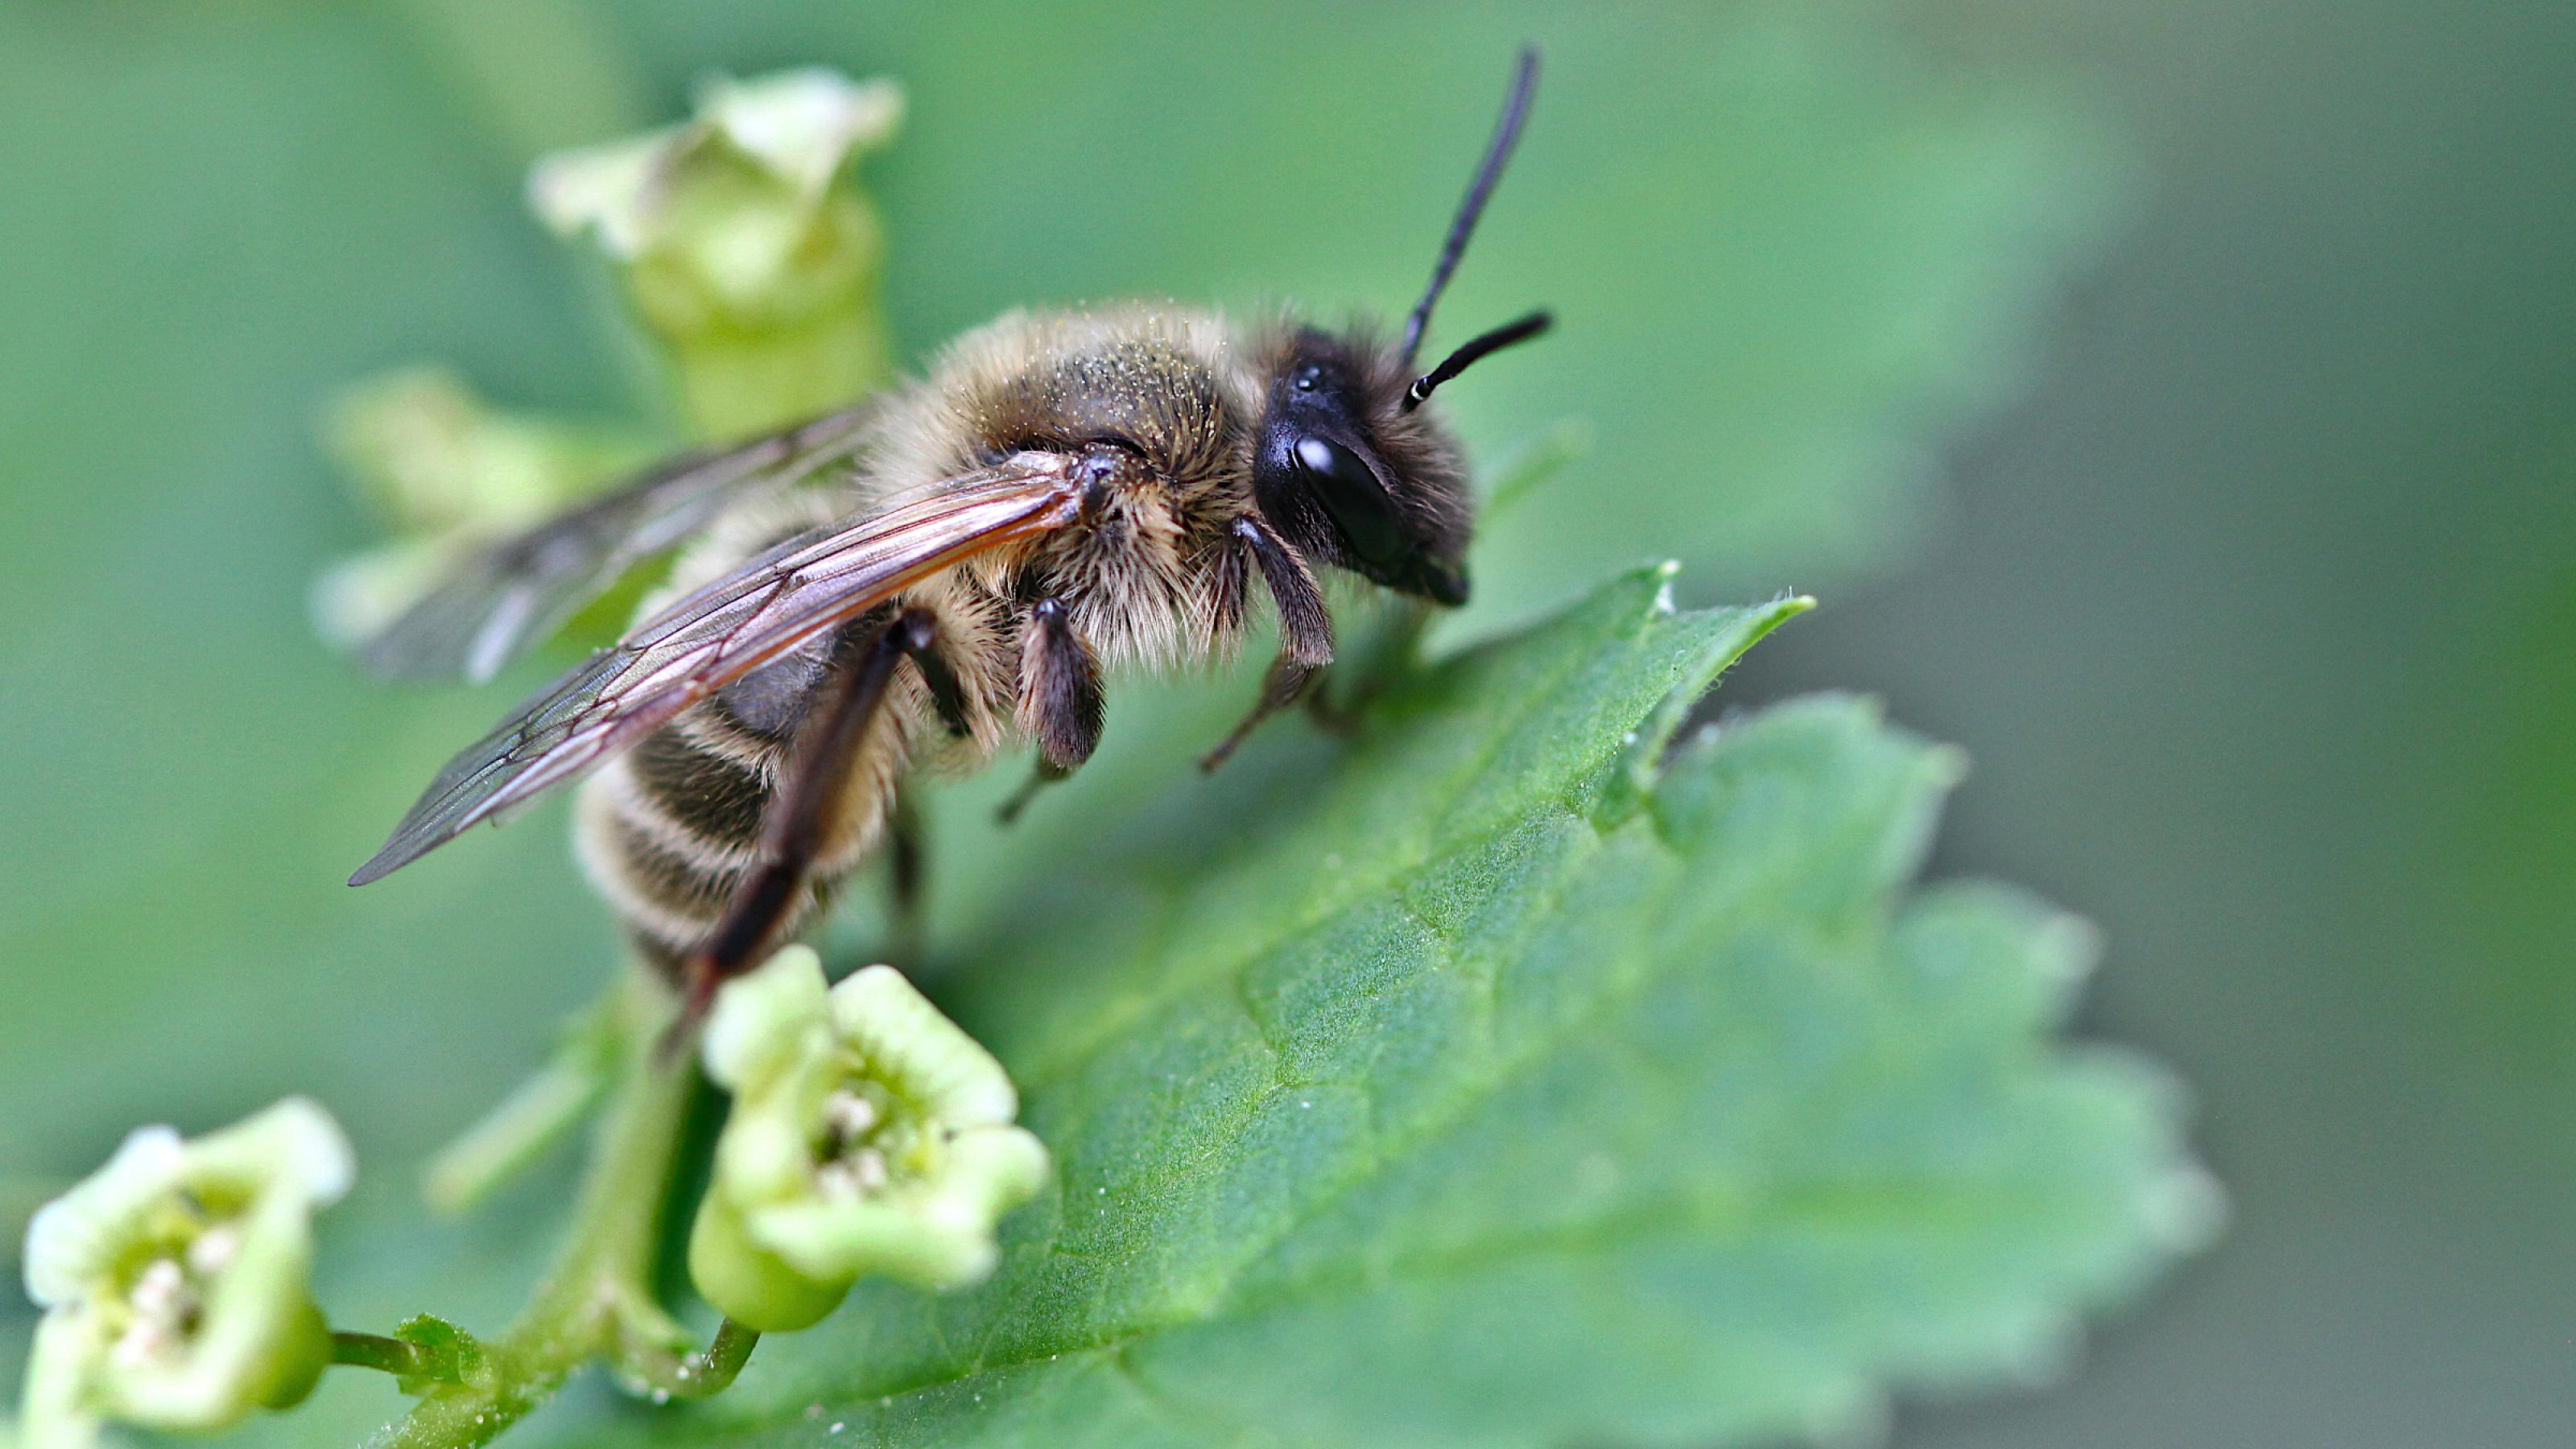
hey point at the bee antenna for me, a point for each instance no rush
(1475, 349)
(1498, 151)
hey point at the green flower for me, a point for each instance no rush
(740, 243)
(446, 471)
(747, 253)
(868, 1135)
(433, 458)
(175, 1280)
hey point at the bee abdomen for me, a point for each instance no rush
(669, 831)
(713, 798)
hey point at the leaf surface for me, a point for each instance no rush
(1512, 1084)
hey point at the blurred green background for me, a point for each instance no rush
(2171, 404)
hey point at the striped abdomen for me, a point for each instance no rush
(669, 830)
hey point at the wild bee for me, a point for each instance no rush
(934, 572)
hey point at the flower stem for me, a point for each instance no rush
(597, 1301)
(539, 74)
(386, 1355)
(529, 1120)
(698, 1375)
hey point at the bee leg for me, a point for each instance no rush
(1392, 650)
(1305, 631)
(907, 858)
(1333, 716)
(1286, 681)
(1060, 702)
(906, 855)
(818, 772)
(1039, 778)
(906, 865)
(946, 694)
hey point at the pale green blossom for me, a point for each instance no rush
(869, 1135)
(176, 1279)
(445, 471)
(748, 253)
(741, 244)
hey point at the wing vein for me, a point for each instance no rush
(716, 634)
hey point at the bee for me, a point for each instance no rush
(934, 573)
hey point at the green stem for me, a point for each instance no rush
(737, 384)
(529, 1120)
(597, 1301)
(698, 1375)
(539, 74)
(386, 1355)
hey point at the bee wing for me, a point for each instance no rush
(723, 631)
(511, 594)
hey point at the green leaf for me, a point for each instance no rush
(455, 1356)
(1504, 1088)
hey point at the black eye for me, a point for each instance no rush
(1351, 493)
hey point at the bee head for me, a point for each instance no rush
(1346, 467)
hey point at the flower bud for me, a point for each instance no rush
(742, 244)
(446, 471)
